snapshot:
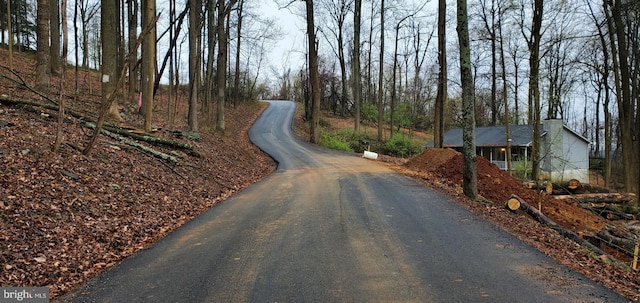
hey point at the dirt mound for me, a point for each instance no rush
(497, 186)
(431, 159)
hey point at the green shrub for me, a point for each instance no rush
(401, 146)
(331, 141)
(324, 123)
(354, 139)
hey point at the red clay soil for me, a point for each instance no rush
(497, 186)
(441, 169)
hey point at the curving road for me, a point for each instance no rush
(333, 227)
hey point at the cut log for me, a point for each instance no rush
(564, 188)
(628, 245)
(565, 232)
(153, 140)
(512, 204)
(619, 198)
(153, 152)
(607, 211)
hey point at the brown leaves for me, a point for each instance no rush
(64, 217)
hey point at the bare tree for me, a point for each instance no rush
(55, 36)
(338, 11)
(621, 68)
(195, 7)
(43, 55)
(356, 77)
(148, 60)
(469, 174)
(441, 97)
(224, 9)
(380, 74)
(314, 76)
(533, 43)
(132, 12)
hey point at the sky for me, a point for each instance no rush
(290, 50)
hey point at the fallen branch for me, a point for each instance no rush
(619, 198)
(75, 114)
(565, 232)
(139, 146)
(606, 211)
(627, 245)
(154, 140)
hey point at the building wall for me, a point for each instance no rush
(565, 156)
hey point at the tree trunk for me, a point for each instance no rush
(221, 67)
(469, 174)
(625, 104)
(43, 60)
(109, 55)
(55, 37)
(313, 75)
(392, 106)
(356, 78)
(380, 76)
(148, 61)
(569, 234)
(441, 97)
(9, 34)
(132, 8)
(194, 63)
(505, 99)
(617, 198)
(236, 82)
(65, 33)
(534, 90)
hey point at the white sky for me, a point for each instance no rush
(290, 50)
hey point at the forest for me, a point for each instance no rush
(380, 61)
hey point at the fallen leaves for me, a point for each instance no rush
(65, 217)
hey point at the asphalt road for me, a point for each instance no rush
(334, 227)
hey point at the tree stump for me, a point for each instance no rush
(512, 204)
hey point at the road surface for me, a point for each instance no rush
(334, 227)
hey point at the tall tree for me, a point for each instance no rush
(356, 77)
(338, 11)
(314, 77)
(43, 55)
(392, 105)
(148, 60)
(132, 13)
(533, 43)
(195, 6)
(441, 96)
(9, 34)
(55, 36)
(65, 32)
(505, 99)
(489, 14)
(109, 55)
(469, 174)
(381, 74)
(623, 86)
(224, 9)
(236, 81)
